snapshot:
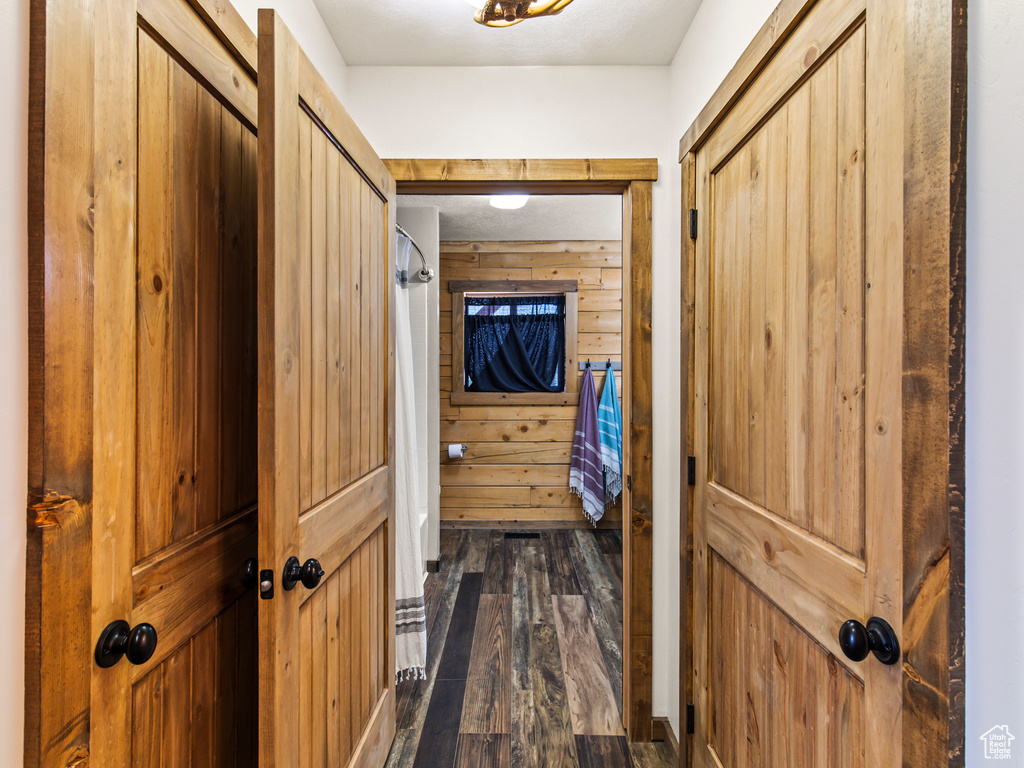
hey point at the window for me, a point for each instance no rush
(514, 342)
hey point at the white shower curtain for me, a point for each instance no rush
(410, 613)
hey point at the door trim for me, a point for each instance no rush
(631, 178)
(81, 223)
(934, 36)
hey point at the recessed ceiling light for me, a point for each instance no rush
(509, 202)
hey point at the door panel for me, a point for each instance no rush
(803, 708)
(193, 708)
(787, 411)
(326, 228)
(797, 389)
(194, 353)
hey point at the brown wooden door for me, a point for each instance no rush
(326, 428)
(195, 405)
(798, 403)
(175, 487)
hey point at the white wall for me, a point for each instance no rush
(424, 305)
(499, 112)
(995, 375)
(720, 32)
(13, 370)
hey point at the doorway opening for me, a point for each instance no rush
(528, 604)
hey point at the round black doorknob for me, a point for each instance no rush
(119, 639)
(309, 573)
(250, 574)
(878, 637)
(853, 639)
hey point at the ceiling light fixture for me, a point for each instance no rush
(505, 13)
(509, 202)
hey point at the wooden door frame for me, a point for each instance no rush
(934, 92)
(82, 235)
(633, 179)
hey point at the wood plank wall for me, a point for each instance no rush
(517, 466)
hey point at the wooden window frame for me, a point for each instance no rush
(567, 288)
(632, 178)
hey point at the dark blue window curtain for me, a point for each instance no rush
(515, 343)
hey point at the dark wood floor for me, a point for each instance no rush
(524, 657)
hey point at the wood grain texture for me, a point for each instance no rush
(773, 33)
(787, 718)
(492, 424)
(915, 94)
(639, 456)
(483, 751)
(933, 414)
(421, 176)
(188, 708)
(687, 432)
(137, 110)
(541, 726)
(819, 355)
(333, 187)
(487, 706)
(591, 701)
(603, 751)
(498, 570)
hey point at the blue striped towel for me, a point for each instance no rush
(609, 421)
(585, 470)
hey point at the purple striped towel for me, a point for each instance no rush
(586, 476)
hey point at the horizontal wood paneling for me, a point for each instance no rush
(516, 466)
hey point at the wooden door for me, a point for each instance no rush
(798, 387)
(326, 374)
(158, 388)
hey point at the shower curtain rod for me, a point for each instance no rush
(426, 274)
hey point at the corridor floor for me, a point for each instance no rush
(524, 657)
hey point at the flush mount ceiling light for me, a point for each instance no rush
(509, 202)
(505, 13)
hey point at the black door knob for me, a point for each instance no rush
(250, 574)
(309, 573)
(120, 639)
(878, 637)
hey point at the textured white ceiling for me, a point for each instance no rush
(443, 33)
(544, 217)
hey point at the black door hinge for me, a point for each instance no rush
(691, 470)
(693, 223)
(691, 716)
(629, 482)
(267, 585)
